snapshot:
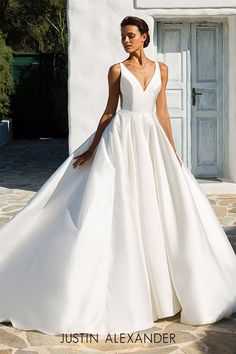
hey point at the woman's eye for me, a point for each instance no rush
(130, 36)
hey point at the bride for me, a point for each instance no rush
(121, 234)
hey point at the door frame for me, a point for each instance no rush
(225, 84)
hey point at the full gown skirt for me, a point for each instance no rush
(125, 239)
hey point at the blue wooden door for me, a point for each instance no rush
(194, 55)
(207, 97)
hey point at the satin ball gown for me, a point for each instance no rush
(125, 239)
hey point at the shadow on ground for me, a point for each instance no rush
(27, 163)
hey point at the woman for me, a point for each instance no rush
(128, 237)
(133, 42)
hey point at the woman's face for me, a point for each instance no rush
(131, 38)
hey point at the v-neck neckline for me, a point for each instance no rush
(143, 89)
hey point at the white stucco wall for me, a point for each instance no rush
(94, 45)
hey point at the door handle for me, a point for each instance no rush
(194, 94)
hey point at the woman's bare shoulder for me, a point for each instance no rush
(163, 68)
(114, 69)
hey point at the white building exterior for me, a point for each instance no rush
(196, 39)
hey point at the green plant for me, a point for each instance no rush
(6, 79)
(34, 25)
(59, 26)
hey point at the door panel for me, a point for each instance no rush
(194, 55)
(172, 44)
(207, 113)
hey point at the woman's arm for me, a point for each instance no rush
(161, 105)
(111, 106)
(110, 110)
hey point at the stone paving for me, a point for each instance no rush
(167, 336)
(24, 166)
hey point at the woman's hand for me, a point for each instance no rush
(80, 159)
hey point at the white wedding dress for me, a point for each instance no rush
(123, 240)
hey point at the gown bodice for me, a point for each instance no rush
(133, 96)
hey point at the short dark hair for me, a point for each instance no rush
(140, 23)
